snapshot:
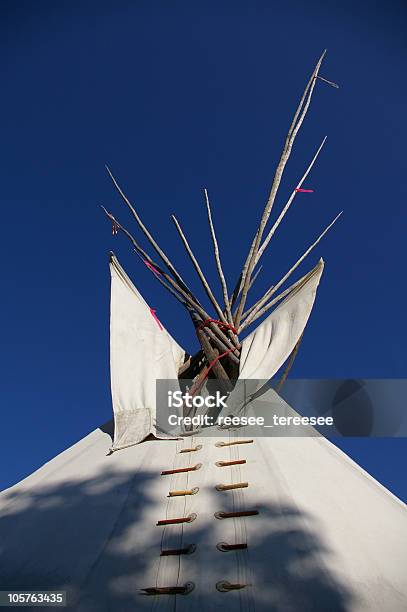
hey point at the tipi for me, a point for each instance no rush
(130, 518)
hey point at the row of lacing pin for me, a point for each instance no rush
(188, 587)
(223, 586)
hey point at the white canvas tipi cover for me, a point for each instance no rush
(268, 524)
(327, 536)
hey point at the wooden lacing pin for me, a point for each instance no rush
(226, 463)
(179, 551)
(226, 515)
(224, 586)
(220, 444)
(193, 468)
(193, 491)
(191, 450)
(177, 521)
(174, 590)
(225, 547)
(229, 487)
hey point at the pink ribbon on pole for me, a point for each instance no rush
(153, 311)
(152, 268)
(299, 190)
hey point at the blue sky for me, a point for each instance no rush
(174, 97)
